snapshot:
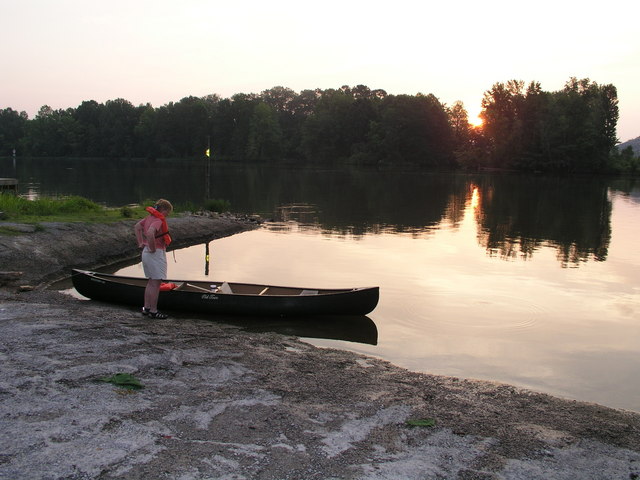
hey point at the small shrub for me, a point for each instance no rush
(185, 207)
(217, 205)
(126, 212)
(78, 204)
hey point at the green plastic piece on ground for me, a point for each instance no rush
(124, 380)
(423, 422)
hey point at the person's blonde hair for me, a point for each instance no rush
(164, 204)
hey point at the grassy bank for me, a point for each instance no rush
(79, 209)
(18, 209)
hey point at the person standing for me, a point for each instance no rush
(153, 237)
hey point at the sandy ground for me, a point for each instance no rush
(222, 402)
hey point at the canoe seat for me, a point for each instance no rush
(225, 288)
(309, 292)
(196, 287)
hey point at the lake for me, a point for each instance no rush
(522, 279)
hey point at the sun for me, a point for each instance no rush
(475, 120)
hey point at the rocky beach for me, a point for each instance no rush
(216, 401)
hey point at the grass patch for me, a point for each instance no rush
(13, 206)
(62, 209)
(79, 209)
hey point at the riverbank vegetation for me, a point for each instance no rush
(79, 209)
(16, 208)
(524, 128)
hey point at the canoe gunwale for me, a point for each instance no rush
(129, 290)
(141, 282)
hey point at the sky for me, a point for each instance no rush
(62, 52)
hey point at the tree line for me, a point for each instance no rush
(572, 130)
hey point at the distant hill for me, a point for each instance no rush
(635, 144)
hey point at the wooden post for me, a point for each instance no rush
(208, 175)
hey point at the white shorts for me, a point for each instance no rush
(154, 264)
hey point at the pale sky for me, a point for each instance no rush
(62, 52)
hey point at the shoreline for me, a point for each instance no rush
(222, 402)
(46, 253)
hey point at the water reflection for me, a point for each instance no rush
(355, 329)
(516, 215)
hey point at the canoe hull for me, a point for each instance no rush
(130, 291)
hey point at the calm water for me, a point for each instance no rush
(527, 280)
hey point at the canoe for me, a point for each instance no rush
(228, 298)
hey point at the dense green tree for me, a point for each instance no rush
(222, 128)
(502, 120)
(624, 161)
(146, 132)
(118, 120)
(325, 135)
(340, 126)
(413, 130)
(572, 130)
(304, 104)
(459, 122)
(89, 117)
(52, 133)
(12, 130)
(191, 126)
(599, 106)
(239, 116)
(279, 98)
(579, 125)
(284, 103)
(264, 140)
(165, 131)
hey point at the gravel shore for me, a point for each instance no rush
(220, 401)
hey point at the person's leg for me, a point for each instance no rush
(151, 293)
(155, 269)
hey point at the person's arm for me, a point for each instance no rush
(139, 234)
(151, 238)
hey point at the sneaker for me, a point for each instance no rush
(158, 315)
(145, 311)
